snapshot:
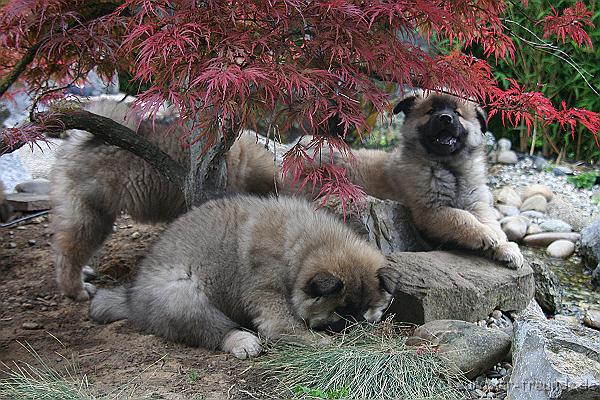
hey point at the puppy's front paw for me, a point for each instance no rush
(509, 252)
(482, 238)
(241, 344)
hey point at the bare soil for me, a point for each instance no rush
(116, 358)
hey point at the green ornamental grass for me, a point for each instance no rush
(365, 362)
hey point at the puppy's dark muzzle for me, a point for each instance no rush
(445, 125)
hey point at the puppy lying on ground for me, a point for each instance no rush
(438, 170)
(274, 265)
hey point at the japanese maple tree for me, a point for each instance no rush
(226, 64)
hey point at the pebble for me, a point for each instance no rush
(508, 211)
(533, 229)
(555, 225)
(561, 249)
(496, 314)
(31, 325)
(533, 215)
(515, 228)
(508, 196)
(592, 319)
(537, 189)
(31, 242)
(546, 238)
(537, 202)
(135, 235)
(561, 171)
(504, 144)
(539, 163)
(12, 245)
(507, 157)
(569, 319)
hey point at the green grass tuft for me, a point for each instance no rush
(365, 362)
(26, 381)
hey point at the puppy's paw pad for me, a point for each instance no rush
(242, 344)
(509, 252)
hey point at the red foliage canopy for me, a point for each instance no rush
(289, 60)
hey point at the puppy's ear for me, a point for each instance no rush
(405, 105)
(482, 117)
(323, 284)
(388, 279)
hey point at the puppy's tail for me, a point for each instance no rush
(109, 305)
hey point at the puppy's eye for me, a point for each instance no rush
(429, 112)
(457, 113)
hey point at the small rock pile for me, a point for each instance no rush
(524, 220)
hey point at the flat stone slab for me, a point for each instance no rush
(452, 285)
(29, 201)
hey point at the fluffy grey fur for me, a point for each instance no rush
(93, 182)
(274, 265)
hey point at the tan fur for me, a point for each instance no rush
(276, 266)
(93, 182)
(447, 194)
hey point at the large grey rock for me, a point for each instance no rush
(385, 223)
(28, 201)
(548, 292)
(508, 196)
(545, 238)
(34, 186)
(554, 360)
(39, 159)
(471, 348)
(577, 216)
(452, 285)
(590, 245)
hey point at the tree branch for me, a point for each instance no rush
(118, 135)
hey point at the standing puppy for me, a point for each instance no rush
(273, 265)
(93, 182)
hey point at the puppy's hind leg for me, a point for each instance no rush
(80, 228)
(180, 310)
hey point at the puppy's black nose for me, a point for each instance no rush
(445, 119)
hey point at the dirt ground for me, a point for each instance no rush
(117, 359)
